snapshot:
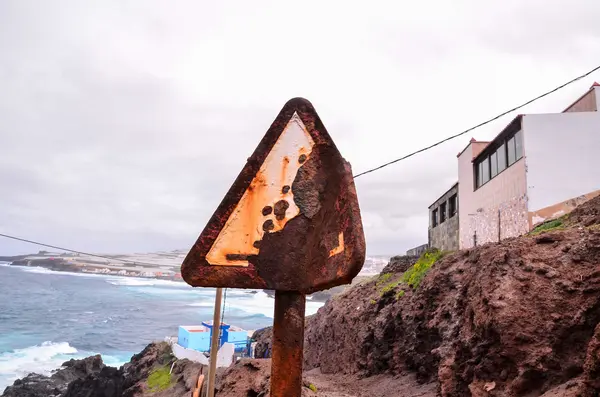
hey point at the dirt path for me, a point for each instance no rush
(376, 386)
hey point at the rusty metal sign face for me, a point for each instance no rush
(290, 221)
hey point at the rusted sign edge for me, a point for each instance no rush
(247, 276)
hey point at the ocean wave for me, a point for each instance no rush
(141, 282)
(43, 270)
(42, 359)
(261, 303)
(201, 304)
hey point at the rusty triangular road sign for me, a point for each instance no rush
(290, 221)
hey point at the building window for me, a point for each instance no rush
(452, 207)
(519, 144)
(507, 153)
(434, 218)
(442, 212)
(494, 164)
(501, 153)
(486, 171)
(512, 153)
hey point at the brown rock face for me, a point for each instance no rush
(250, 378)
(518, 318)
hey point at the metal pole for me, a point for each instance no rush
(214, 345)
(288, 344)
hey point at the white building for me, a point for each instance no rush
(540, 166)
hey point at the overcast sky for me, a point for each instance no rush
(123, 123)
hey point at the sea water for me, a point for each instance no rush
(47, 317)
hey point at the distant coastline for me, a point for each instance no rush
(160, 266)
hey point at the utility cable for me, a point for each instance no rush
(357, 175)
(77, 252)
(480, 124)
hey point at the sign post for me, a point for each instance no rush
(290, 223)
(214, 344)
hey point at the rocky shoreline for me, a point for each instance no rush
(519, 318)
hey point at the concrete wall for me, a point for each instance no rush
(497, 209)
(444, 236)
(560, 209)
(417, 251)
(562, 156)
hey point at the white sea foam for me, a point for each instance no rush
(261, 303)
(41, 359)
(140, 282)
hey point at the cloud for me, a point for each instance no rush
(123, 123)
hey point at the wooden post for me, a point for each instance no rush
(214, 345)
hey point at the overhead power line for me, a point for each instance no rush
(76, 251)
(478, 125)
(355, 176)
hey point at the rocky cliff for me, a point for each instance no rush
(516, 318)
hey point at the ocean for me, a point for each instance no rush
(47, 318)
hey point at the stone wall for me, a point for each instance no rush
(417, 251)
(445, 235)
(508, 219)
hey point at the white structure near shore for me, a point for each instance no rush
(225, 355)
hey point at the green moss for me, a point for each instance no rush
(159, 379)
(312, 387)
(555, 224)
(415, 274)
(384, 278)
(373, 302)
(390, 287)
(400, 294)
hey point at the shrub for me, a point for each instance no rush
(415, 274)
(384, 278)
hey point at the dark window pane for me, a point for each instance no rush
(442, 212)
(434, 218)
(485, 171)
(452, 206)
(501, 153)
(511, 149)
(519, 144)
(494, 164)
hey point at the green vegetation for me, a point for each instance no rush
(555, 224)
(373, 302)
(159, 379)
(390, 287)
(383, 278)
(415, 274)
(312, 387)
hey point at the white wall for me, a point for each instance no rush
(562, 155)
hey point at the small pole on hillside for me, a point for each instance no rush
(214, 345)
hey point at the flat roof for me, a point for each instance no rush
(453, 186)
(513, 126)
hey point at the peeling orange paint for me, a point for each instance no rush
(246, 226)
(340, 248)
